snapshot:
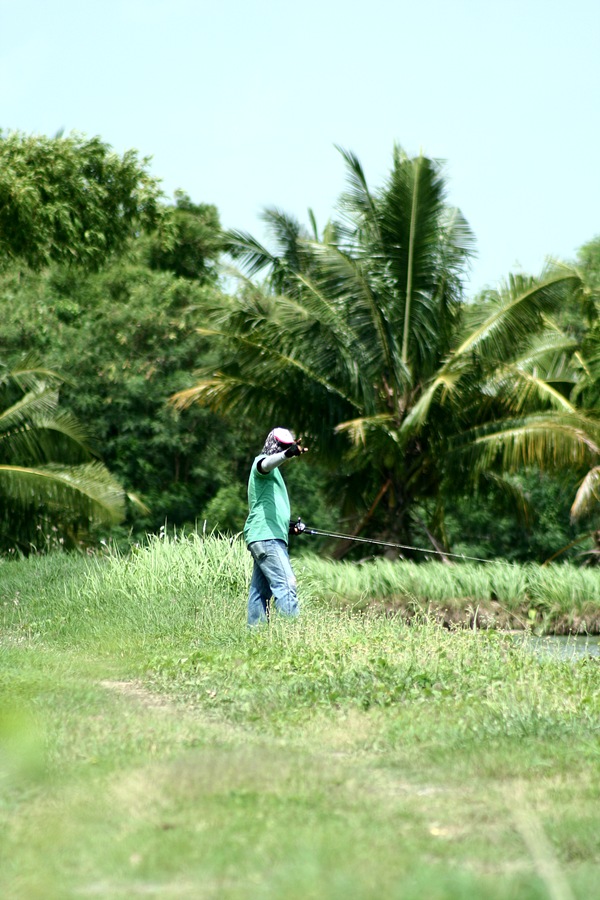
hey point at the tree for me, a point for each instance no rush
(71, 199)
(191, 248)
(587, 367)
(127, 338)
(48, 478)
(362, 341)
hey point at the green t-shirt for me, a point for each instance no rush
(269, 505)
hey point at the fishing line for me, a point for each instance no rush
(350, 537)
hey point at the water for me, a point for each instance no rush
(569, 647)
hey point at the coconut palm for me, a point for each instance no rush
(362, 341)
(49, 480)
(587, 499)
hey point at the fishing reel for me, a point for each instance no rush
(297, 527)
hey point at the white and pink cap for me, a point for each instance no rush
(283, 436)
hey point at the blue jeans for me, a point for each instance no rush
(272, 577)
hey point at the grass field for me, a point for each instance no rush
(151, 746)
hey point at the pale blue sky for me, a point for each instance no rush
(241, 103)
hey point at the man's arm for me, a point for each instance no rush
(266, 464)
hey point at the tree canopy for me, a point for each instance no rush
(191, 247)
(71, 199)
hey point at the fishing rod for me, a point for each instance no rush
(300, 527)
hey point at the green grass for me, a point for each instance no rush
(150, 745)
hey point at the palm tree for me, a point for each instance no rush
(48, 478)
(362, 341)
(587, 498)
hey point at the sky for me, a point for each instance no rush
(241, 103)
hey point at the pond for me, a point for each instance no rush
(569, 647)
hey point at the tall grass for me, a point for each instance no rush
(180, 600)
(172, 585)
(185, 583)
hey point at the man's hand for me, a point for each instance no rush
(295, 449)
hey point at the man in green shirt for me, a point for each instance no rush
(267, 528)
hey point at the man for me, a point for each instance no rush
(267, 528)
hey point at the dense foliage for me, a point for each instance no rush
(465, 425)
(70, 199)
(127, 339)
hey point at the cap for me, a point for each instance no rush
(283, 436)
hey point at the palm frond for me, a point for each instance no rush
(313, 224)
(513, 315)
(587, 497)
(358, 429)
(444, 384)
(357, 203)
(30, 373)
(269, 337)
(88, 490)
(291, 249)
(269, 362)
(538, 440)
(289, 236)
(34, 431)
(457, 240)
(41, 400)
(514, 492)
(45, 472)
(422, 265)
(251, 254)
(518, 391)
(346, 281)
